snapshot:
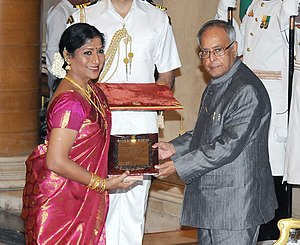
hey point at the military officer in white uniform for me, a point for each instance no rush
(138, 38)
(291, 167)
(264, 48)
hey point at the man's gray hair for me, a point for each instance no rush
(228, 28)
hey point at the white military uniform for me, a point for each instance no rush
(153, 45)
(264, 48)
(57, 18)
(291, 168)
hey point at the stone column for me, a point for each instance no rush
(19, 87)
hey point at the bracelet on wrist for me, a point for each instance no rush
(97, 183)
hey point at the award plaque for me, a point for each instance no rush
(133, 153)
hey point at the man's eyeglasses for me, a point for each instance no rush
(220, 51)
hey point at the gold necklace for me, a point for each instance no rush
(87, 95)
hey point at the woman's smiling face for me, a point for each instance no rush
(88, 60)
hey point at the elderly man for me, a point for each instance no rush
(263, 44)
(224, 161)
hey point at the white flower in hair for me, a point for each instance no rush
(57, 66)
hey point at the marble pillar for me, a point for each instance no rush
(19, 87)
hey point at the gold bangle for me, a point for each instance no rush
(92, 180)
(97, 182)
(103, 186)
(98, 187)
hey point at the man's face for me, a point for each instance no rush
(212, 41)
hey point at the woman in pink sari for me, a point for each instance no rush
(65, 197)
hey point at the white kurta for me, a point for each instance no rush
(56, 23)
(153, 45)
(265, 50)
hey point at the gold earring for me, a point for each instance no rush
(68, 67)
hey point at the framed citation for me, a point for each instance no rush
(133, 153)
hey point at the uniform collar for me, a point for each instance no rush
(85, 5)
(136, 4)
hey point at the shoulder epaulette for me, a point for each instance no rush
(70, 20)
(84, 5)
(156, 5)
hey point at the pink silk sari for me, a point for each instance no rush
(57, 210)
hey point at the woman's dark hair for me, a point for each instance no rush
(76, 36)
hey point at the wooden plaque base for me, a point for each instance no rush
(133, 153)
